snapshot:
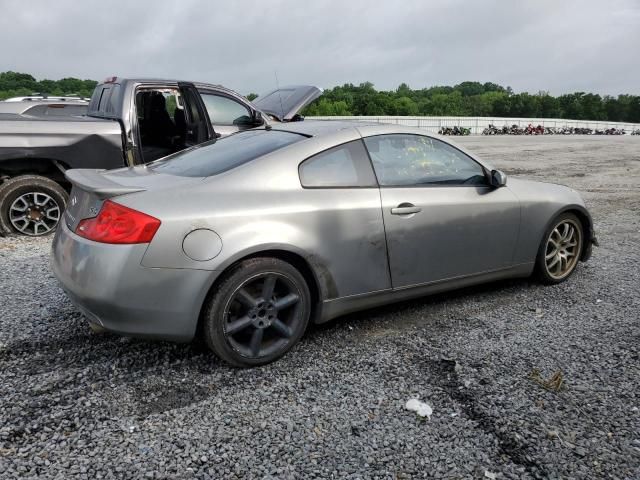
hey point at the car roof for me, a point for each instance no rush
(47, 98)
(171, 83)
(316, 128)
(24, 105)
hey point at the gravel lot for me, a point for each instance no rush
(78, 404)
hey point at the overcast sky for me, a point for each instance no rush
(559, 46)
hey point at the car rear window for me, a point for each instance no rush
(215, 157)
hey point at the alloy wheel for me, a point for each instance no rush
(262, 315)
(563, 248)
(34, 213)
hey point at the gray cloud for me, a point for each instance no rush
(542, 45)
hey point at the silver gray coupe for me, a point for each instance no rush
(247, 239)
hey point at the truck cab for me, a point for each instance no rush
(128, 122)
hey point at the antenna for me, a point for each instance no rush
(279, 94)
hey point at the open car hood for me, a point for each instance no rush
(284, 103)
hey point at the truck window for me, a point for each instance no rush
(161, 122)
(225, 111)
(104, 97)
(112, 101)
(96, 98)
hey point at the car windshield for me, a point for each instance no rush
(225, 153)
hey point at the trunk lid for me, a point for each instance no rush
(286, 102)
(92, 187)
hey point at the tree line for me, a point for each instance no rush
(14, 84)
(472, 99)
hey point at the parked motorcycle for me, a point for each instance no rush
(454, 131)
(492, 130)
(531, 130)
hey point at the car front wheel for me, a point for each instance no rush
(560, 250)
(257, 313)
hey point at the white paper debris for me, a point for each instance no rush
(490, 475)
(419, 407)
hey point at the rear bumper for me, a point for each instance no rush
(108, 284)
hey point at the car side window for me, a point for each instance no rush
(344, 166)
(409, 160)
(225, 111)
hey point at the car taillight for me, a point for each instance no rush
(118, 224)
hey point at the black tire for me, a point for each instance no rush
(29, 186)
(3, 230)
(543, 272)
(238, 302)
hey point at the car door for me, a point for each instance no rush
(227, 115)
(197, 127)
(341, 191)
(442, 219)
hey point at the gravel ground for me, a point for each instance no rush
(77, 404)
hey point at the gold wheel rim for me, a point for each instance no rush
(563, 249)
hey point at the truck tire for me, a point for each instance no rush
(31, 205)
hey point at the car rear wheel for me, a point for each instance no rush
(258, 312)
(560, 250)
(31, 205)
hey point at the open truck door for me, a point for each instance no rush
(198, 128)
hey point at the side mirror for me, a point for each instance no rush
(256, 118)
(498, 178)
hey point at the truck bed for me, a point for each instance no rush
(74, 142)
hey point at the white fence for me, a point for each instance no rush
(478, 124)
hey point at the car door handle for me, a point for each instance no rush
(405, 209)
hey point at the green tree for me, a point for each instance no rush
(405, 106)
(468, 89)
(549, 106)
(14, 80)
(403, 90)
(326, 107)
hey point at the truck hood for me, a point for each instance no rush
(286, 102)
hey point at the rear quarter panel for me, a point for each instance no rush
(261, 206)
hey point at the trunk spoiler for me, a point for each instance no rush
(92, 180)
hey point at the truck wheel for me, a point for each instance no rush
(31, 205)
